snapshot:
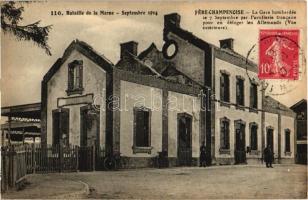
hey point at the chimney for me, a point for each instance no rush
(226, 43)
(131, 47)
(172, 19)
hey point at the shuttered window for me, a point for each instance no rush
(75, 71)
(224, 134)
(239, 91)
(254, 96)
(224, 87)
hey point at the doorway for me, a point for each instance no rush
(89, 126)
(184, 139)
(60, 127)
(89, 137)
(270, 138)
(240, 143)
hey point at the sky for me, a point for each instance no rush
(23, 64)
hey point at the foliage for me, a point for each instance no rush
(11, 16)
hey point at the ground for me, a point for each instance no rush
(242, 181)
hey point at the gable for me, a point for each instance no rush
(92, 79)
(85, 50)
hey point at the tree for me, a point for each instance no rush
(11, 16)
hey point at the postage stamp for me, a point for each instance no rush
(278, 54)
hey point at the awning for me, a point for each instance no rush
(30, 111)
(23, 121)
(22, 126)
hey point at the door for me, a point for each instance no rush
(60, 127)
(184, 139)
(89, 137)
(270, 138)
(89, 120)
(240, 143)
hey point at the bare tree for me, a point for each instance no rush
(11, 16)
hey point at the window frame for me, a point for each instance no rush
(254, 96)
(224, 143)
(251, 126)
(224, 86)
(238, 91)
(140, 149)
(62, 112)
(71, 82)
(287, 151)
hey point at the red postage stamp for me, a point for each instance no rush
(278, 54)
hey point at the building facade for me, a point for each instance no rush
(168, 100)
(300, 108)
(128, 108)
(240, 120)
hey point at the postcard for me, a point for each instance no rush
(153, 100)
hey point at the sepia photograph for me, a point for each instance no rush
(153, 100)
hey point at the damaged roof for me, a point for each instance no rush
(161, 69)
(132, 63)
(273, 106)
(159, 63)
(238, 59)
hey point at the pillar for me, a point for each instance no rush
(2, 138)
(9, 130)
(23, 136)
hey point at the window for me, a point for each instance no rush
(240, 91)
(75, 77)
(224, 133)
(301, 115)
(270, 137)
(254, 96)
(60, 126)
(287, 141)
(254, 136)
(224, 87)
(142, 130)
